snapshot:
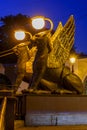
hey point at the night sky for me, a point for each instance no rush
(56, 10)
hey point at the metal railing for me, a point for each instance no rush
(2, 113)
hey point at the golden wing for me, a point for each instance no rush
(62, 41)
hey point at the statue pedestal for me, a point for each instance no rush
(47, 110)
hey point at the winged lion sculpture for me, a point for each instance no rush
(45, 55)
(49, 68)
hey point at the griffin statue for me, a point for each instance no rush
(48, 65)
(45, 56)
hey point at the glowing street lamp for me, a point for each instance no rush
(39, 22)
(72, 61)
(20, 35)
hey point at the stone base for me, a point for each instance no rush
(56, 110)
(55, 119)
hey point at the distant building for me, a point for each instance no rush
(80, 69)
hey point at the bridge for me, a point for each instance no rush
(42, 111)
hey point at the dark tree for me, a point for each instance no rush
(9, 25)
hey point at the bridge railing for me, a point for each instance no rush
(2, 113)
(7, 113)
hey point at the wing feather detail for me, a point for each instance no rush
(62, 41)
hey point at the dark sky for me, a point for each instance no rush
(56, 10)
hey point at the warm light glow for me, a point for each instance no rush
(20, 35)
(72, 60)
(38, 23)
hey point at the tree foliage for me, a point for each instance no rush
(9, 25)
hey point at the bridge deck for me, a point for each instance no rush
(54, 128)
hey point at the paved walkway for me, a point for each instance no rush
(19, 125)
(54, 128)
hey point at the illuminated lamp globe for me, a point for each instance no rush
(38, 23)
(72, 60)
(19, 35)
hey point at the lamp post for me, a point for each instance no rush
(38, 22)
(72, 61)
